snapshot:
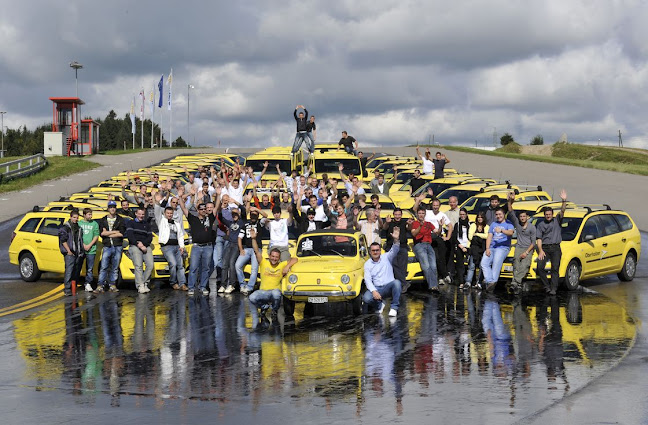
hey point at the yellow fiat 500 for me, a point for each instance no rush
(330, 268)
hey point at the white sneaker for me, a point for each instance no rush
(141, 289)
(229, 289)
(205, 292)
(88, 287)
(146, 289)
(382, 307)
(221, 289)
(392, 312)
(244, 290)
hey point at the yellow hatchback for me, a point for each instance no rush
(330, 268)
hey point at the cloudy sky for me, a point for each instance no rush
(390, 72)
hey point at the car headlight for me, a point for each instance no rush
(345, 279)
(292, 278)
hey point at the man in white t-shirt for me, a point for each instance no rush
(278, 232)
(428, 165)
(235, 191)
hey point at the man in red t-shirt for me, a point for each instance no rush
(422, 233)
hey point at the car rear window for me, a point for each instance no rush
(30, 225)
(624, 222)
(50, 226)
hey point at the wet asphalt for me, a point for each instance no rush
(166, 357)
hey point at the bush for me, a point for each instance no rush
(506, 139)
(537, 140)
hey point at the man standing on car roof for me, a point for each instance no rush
(302, 128)
(112, 228)
(140, 237)
(71, 246)
(90, 230)
(439, 165)
(548, 238)
(525, 245)
(311, 132)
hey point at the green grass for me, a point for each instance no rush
(510, 148)
(10, 158)
(137, 150)
(58, 166)
(598, 153)
(611, 162)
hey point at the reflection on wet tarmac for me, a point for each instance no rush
(449, 354)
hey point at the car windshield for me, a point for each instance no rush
(332, 165)
(569, 226)
(257, 165)
(327, 245)
(461, 194)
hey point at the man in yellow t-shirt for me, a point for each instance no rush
(272, 271)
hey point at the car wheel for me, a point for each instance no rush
(629, 269)
(572, 276)
(29, 271)
(356, 305)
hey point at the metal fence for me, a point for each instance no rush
(22, 167)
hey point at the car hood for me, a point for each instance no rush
(326, 265)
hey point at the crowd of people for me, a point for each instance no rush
(227, 226)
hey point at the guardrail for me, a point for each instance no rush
(22, 167)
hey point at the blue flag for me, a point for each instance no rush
(160, 86)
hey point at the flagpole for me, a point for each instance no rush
(152, 113)
(142, 116)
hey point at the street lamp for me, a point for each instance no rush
(76, 65)
(2, 129)
(189, 87)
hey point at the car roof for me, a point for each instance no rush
(326, 232)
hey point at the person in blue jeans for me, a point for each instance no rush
(379, 277)
(498, 245)
(422, 234)
(246, 250)
(302, 128)
(112, 229)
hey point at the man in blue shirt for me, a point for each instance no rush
(379, 277)
(498, 245)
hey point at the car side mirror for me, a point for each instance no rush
(588, 238)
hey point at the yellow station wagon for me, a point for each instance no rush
(595, 243)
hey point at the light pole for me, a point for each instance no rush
(2, 129)
(189, 87)
(76, 65)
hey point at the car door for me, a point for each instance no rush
(47, 244)
(611, 244)
(590, 244)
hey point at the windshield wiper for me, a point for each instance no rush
(336, 252)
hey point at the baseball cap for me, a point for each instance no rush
(310, 211)
(112, 204)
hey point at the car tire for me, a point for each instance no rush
(629, 269)
(29, 271)
(572, 275)
(356, 305)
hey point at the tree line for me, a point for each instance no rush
(114, 134)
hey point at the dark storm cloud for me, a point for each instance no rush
(389, 71)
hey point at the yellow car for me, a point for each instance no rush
(481, 201)
(286, 161)
(594, 243)
(467, 190)
(330, 268)
(404, 200)
(329, 161)
(35, 248)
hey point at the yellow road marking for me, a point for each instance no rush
(52, 295)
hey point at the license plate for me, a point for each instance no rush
(317, 300)
(508, 268)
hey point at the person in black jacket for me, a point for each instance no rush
(302, 127)
(112, 229)
(71, 246)
(305, 220)
(140, 237)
